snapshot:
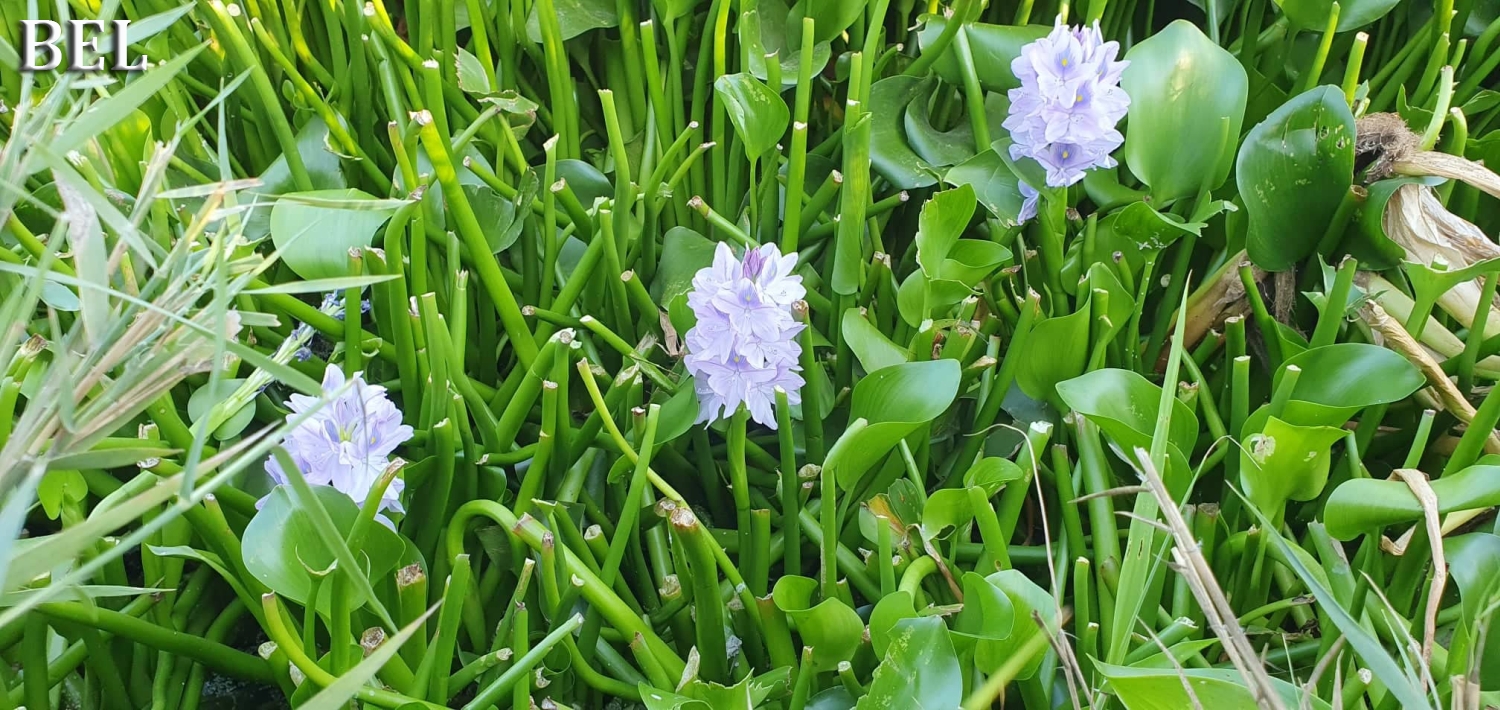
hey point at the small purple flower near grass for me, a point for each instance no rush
(347, 443)
(744, 345)
(1063, 115)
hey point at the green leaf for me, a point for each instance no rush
(971, 260)
(940, 295)
(497, 215)
(759, 115)
(996, 187)
(874, 350)
(946, 509)
(574, 17)
(1339, 380)
(1185, 87)
(1474, 562)
(889, 611)
(1168, 688)
(993, 47)
(890, 154)
(323, 168)
(59, 486)
(1148, 229)
(1026, 597)
(986, 622)
(471, 76)
(1363, 505)
(315, 240)
(992, 473)
(1372, 246)
(892, 403)
(1293, 170)
(1312, 15)
(203, 400)
(920, 669)
(831, 628)
(944, 218)
(281, 544)
(683, 253)
(1056, 350)
(1286, 462)
(831, 17)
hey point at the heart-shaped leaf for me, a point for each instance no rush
(886, 406)
(1183, 85)
(1293, 170)
(314, 231)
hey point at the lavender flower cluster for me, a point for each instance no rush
(1064, 114)
(348, 442)
(744, 345)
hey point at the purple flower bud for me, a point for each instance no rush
(1063, 115)
(744, 345)
(347, 443)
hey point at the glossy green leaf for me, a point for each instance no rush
(1150, 230)
(1169, 688)
(496, 215)
(890, 610)
(683, 253)
(1312, 15)
(946, 509)
(1293, 170)
(203, 400)
(58, 487)
(993, 47)
(574, 17)
(831, 628)
(994, 184)
(1361, 505)
(992, 473)
(1373, 247)
(281, 545)
(870, 346)
(944, 218)
(1338, 380)
(315, 239)
(1122, 400)
(986, 622)
(939, 296)
(831, 17)
(892, 403)
(1285, 462)
(971, 260)
(324, 168)
(1184, 90)
(890, 154)
(1056, 350)
(759, 115)
(1027, 598)
(1474, 562)
(920, 669)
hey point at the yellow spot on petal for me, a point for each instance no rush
(1065, 155)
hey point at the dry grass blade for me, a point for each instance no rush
(1395, 337)
(1200, 578)
(1420, 488)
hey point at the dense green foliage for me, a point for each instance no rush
(1217, 426)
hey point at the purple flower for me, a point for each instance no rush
(1029, 199)
(347, 443)
(743, 346)
(1064, 114)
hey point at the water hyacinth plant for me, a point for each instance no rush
(752, 354)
